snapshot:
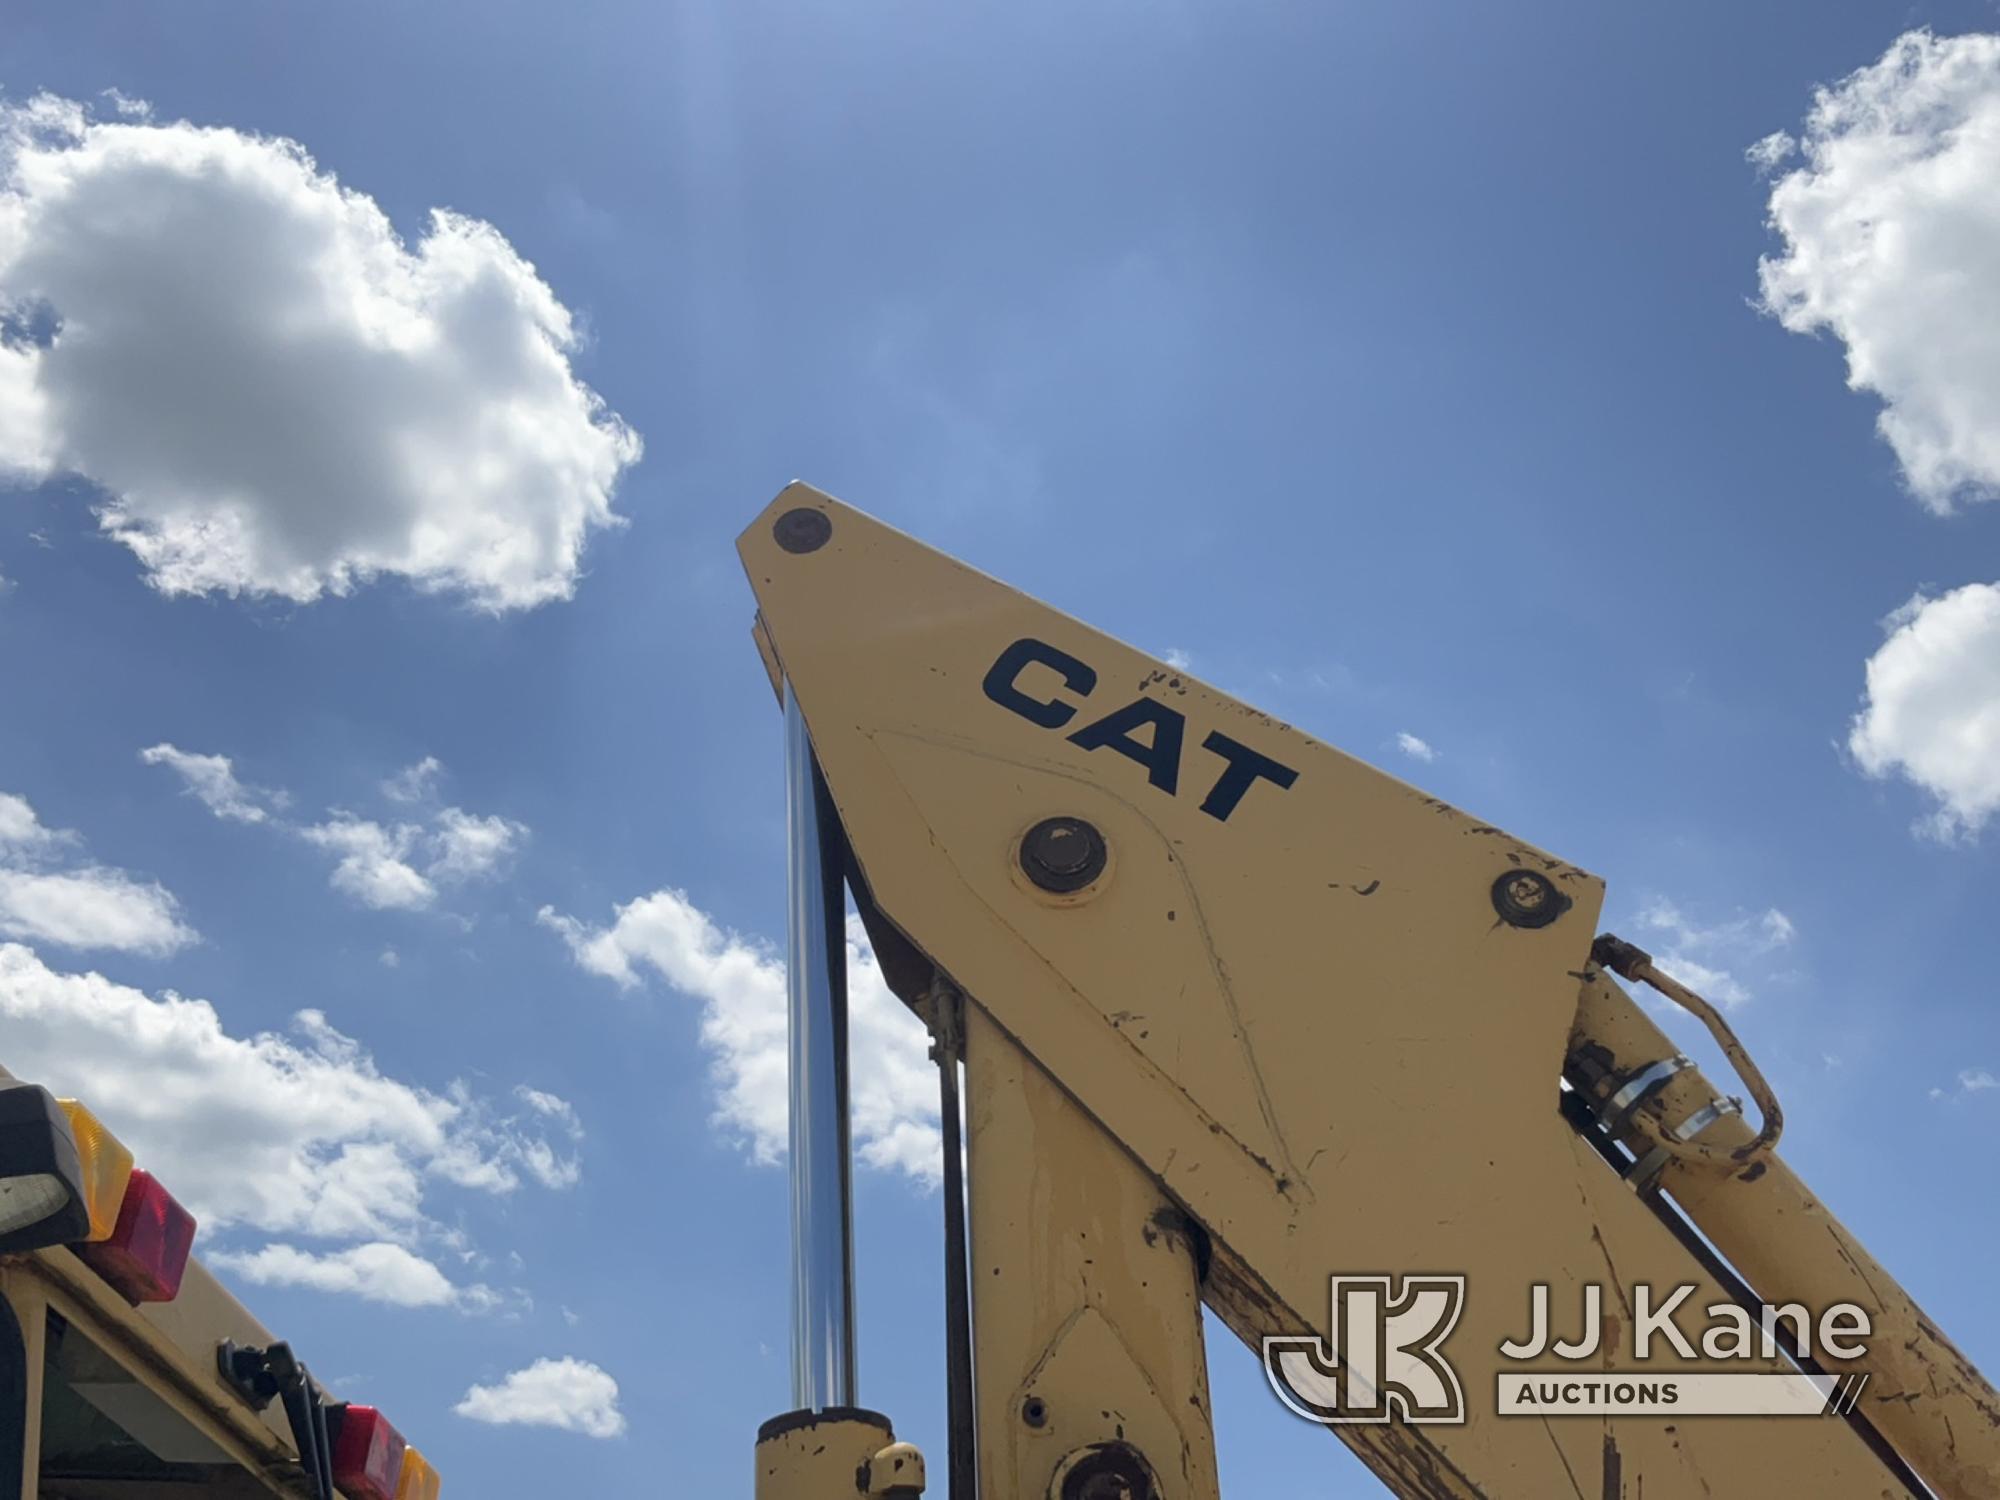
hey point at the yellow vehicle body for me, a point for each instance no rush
(127, 1372)
(100, 1400)
(1282, 1034)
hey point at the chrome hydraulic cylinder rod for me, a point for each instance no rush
(821, 1173)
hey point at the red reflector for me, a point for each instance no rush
(148, 1249)
(367, 1455)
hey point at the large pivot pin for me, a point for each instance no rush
(1062, 854)
(1528, 898)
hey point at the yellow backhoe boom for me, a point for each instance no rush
(1240, 1015)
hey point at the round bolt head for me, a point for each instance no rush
(1063, 854)
(1528, 898)
(1106, 1471)
(803, 530)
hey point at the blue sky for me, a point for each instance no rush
(1402, 368)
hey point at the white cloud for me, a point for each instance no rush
(571, 1394)
(414, 783)
(553, 1106)
(130, 108)
(387, 866)
(1970, 1081)
(1932, 709)
(470, 847)
(378, 861)
(20, 828)
(275, 392)
(1415, 748)
(297, 1133)
(91, 908)
(1717, 985)
(541, 1161)
(212, 779)
(374, 865)
(1891, 230)
(48, 896)
(376, 1272)
(1770, 153)
(741, 987)
(1178, 659)
(1706, 958)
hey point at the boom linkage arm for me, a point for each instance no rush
(1242, 1014)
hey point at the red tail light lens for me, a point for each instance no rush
(147, 1250)
(367, 1455)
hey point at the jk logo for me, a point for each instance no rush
(1383, 1361)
